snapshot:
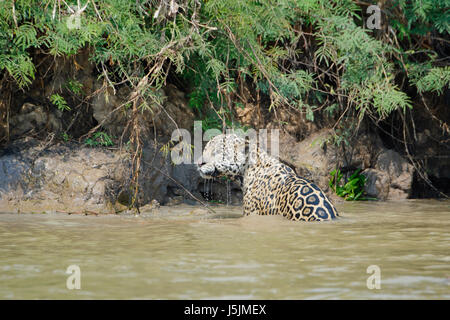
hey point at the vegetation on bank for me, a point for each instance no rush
(353, 189)
(316, 56)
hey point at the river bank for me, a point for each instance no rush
(88, 111)
(38, 176)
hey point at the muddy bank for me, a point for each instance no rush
(71, 177)
(46, 163)
(39, 175)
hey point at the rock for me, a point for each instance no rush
(173, 201)
(172, 114)
(309, 157)
(389, 175)
(154, 177)
(74, 178)
(377, 183)
(106, 109)
(33, 118)
(12, 185)
(399, 171)
(185, 177)
(249, 115)
(153, 206)
(397, 194)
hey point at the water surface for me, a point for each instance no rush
(185, 252)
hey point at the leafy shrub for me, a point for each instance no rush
(351, 190)
(99, 139)
(59, 102)
(308, 55)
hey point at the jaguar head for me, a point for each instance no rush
(223, 156)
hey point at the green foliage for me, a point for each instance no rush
(430, 79)
(66, 137)
(59, 102)
(421, 16)
(367, 78)
(424, 20)
(309, 55)
(351, 190)
(99, 139)
(74, 87)
(19, 66)
(211, 122)
(25, 36)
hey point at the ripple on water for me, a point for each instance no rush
(185, 252)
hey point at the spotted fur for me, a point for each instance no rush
(269, 186)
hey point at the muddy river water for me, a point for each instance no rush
(184, 252)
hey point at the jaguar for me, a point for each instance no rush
(270, 186)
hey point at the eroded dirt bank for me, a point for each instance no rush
(46, 162)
